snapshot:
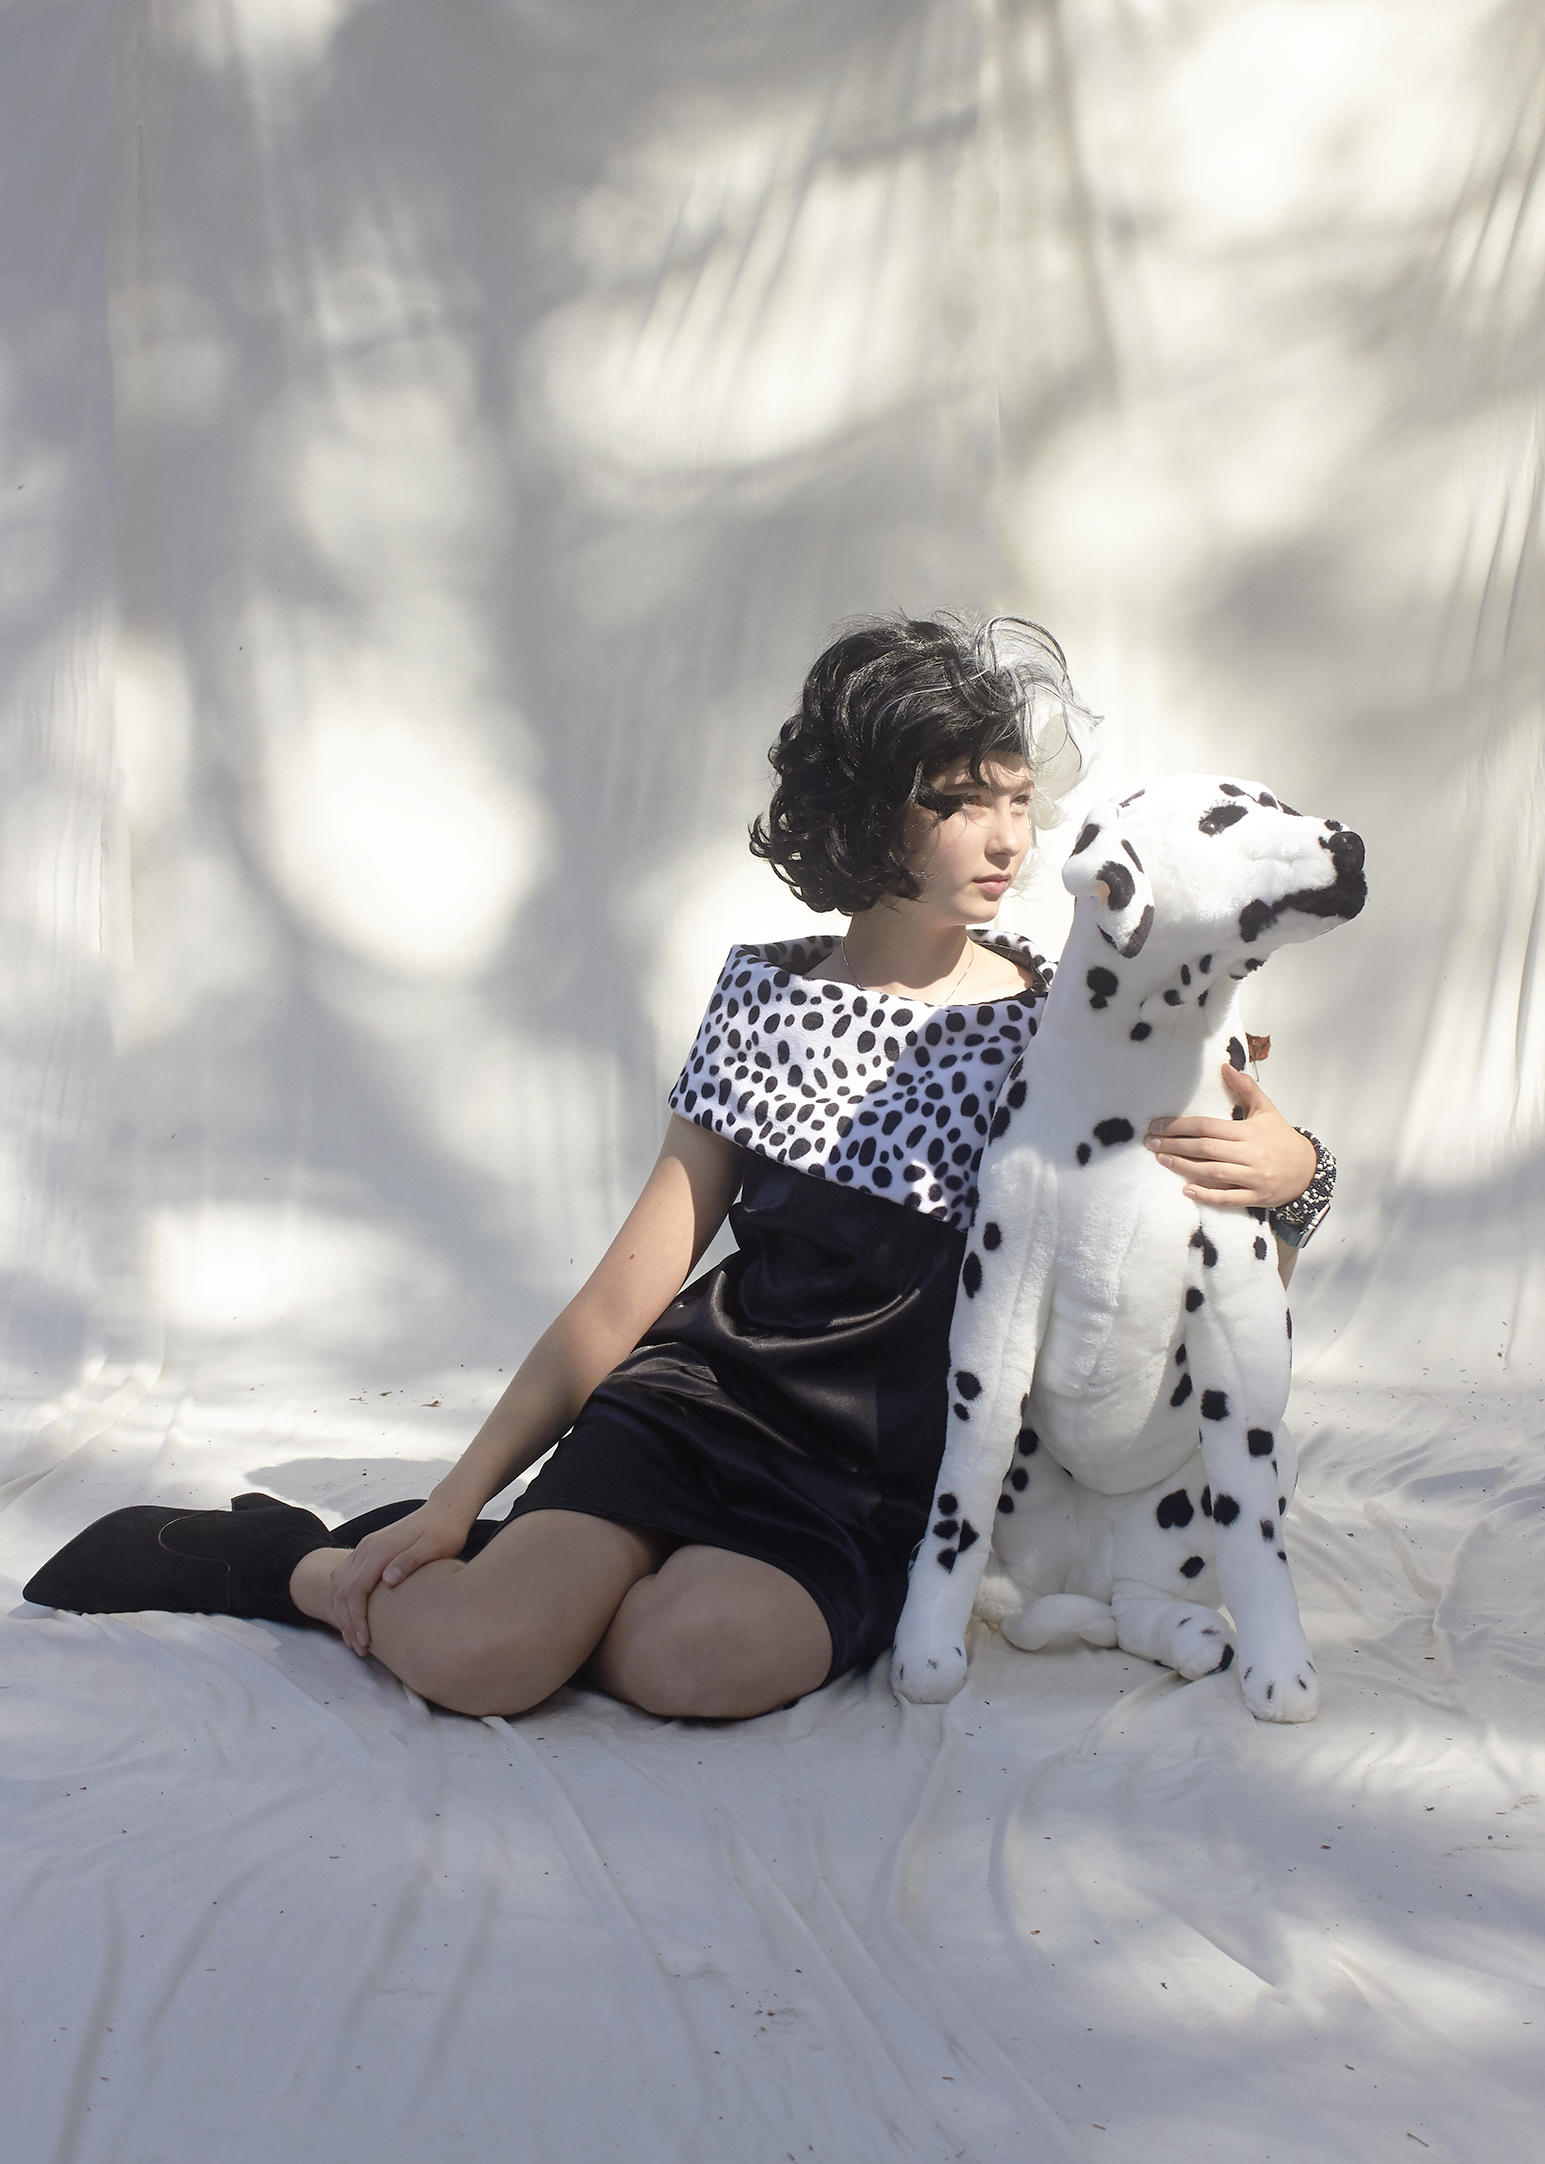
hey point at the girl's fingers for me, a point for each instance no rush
(1225, 1197)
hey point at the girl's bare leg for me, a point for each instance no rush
(701, 1632)
(715, 1635)
(500, 1633)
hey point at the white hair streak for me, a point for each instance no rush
(1059, 728)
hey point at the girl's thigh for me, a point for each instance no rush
(714, 1635)
(502, 1632)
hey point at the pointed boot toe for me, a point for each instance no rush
(118, 1566)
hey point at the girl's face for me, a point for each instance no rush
(966, 859)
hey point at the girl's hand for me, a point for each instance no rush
(429, 1534)
(1258, 1160)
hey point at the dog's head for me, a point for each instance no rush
(1200, 861)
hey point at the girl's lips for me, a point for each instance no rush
(996, 886)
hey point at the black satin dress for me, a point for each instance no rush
(789, 1404)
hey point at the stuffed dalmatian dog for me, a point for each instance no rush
(1120, 1355)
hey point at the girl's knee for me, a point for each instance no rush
(685, 1662)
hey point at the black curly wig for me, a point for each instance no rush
(887, 708)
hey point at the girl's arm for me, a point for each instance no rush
(681, 1208)
(1257, 1159)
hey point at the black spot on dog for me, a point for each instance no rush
(1268, 1530)
(1005, 1503)
(1140, 1030)
(1132, 853)
(1083, 1153)
(1226, 1662)
(1230, 788)
(1029, 1442)
(1224, 1509)
(1175, 1509)
(1172, 997)
(967, 1384)
(1180, 1356)
(948, 1505)
(1260, 1442)
(1019, 1479)
(1132, 799)
(1271, 1690)
(1257, 1213)
(1110, 1132)
(1086, 836)
(960, 1412)
(968, 1535)
(1194, 1299)
(1288, 1312)
(1206, 1502)
(1181, 1391)
(1102, 982)
(947, 1558)
(1201, 997)
(1209, 1252)
(1205, 964)
(1185, 974)
(1260, 1249)
(1221, 816)
(971, 1275)
(1215, 1405)
(1267, 799)
(1192, 1567)
(1120, 884)
(1282, 1504)
(1236, 1054)
(1139, 938)
(947, 1528)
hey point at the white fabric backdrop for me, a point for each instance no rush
(435, 441)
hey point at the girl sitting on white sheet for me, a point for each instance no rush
(746, 1465)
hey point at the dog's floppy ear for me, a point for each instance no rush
(1102, 856)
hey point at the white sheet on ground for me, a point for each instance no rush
(435, 441)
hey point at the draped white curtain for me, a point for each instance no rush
(435, 440)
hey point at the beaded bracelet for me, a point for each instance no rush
(1294, 1221)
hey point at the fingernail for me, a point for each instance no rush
(391, 1576)
(1150, 1140)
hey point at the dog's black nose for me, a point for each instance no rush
(1346, 850)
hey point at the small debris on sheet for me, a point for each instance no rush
(430, 1401)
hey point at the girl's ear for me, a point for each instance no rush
(1103, 857)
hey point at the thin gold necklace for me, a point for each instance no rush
(949, 995)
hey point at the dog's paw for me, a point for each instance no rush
(1201, 1644)
(1277, 1690)
(927, 1675)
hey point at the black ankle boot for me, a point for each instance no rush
(198, 1562)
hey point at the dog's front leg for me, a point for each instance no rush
(1239, 1357)
(993, 1344)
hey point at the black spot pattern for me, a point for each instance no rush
(1194, 1299)
(1083, 1153)
(1221, 816)
(1236, 1054)
(1019, 1479)
(1260, 1441)
(1140, 1031)
(1110, 1132)
(971, 1275)
(948, 1505)
(1192, 1567)
(992, 1237)
(1215, 1405)
(1175, 1509)
(1260, 1248)
(1182, 1390)
(1102, 983)
(967, 1384)
(1224, 1509)
(866, 1089)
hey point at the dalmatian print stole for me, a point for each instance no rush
(868, 1089)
